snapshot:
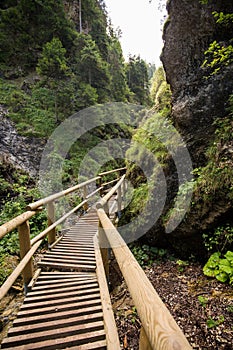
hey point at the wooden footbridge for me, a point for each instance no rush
(67, 303)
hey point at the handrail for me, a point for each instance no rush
(160, 327)
(28, 247)
(52, 197)
(101, 203)
(112, 171)
(63, 218)
(18, 270)
(14, 223)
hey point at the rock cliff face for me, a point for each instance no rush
(197, 101)
(20, 152)
(188, 32)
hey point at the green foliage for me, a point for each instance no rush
(138, 81)
(216, 177)
(220, 52)
(52, 63)
(202, 300)
(147, 255)
(160, 90)
(214, 323)
(220, 268)
(181, 264)
(220, 239)
(26, 26)
(217, 56)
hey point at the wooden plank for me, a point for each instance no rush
(58, 315)
(68, 254)
(76, 250)
(94, 294)
(101, 345)
(55, 334)
(76, 341)
(65, 274)
(64, 266)
(72, 291)
(68, 257)
(56, 283)
(68, 287)
(72, 304)
(57, 323)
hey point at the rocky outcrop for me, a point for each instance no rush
(198, 98)
(197, 101)
(21, 152)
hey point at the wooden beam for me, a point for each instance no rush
(51, 220)
(14, 223)
(55, 196)
(112, 171)
(101, 203)
(18, 270)
(112, 338)
(25, 246)
(161, 329)
(144, 343)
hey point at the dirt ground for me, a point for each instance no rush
(202, 307)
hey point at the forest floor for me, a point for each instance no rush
(202, 307)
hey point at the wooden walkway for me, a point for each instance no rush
(63, 310)
(67, 305)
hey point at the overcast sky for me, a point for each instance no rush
(141, 27)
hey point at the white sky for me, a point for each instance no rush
(141, 27)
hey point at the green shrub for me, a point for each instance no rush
(220, 268)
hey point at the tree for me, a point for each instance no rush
(90, 67)
(53, 66)
(119, 87)
(138, 82)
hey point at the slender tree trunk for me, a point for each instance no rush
(80, 16)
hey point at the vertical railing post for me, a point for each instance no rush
(100, 184)
(85, 206)
(25, 246)
(51, 220)
(144, 343)
(103, 249)
(123, 188)
(119, 201)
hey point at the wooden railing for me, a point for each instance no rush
(28, 246)
(159, 330)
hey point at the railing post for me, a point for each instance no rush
(100, 184)
(119, 201)
(123, 188)
(144, 343)
(103, 249)
(85, 205)
(51, 220)
(25, 246)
